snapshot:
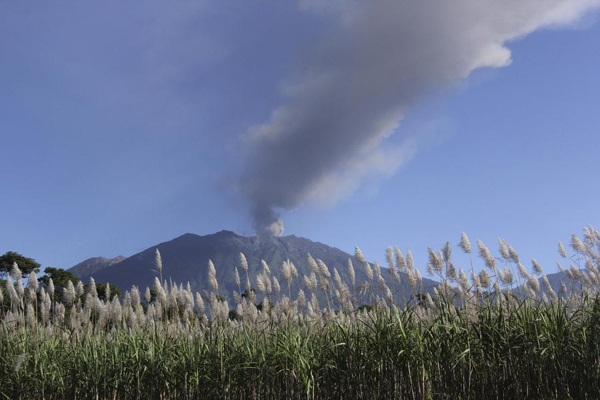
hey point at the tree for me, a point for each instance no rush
(101, 291)
(26, 265)
(60, 279)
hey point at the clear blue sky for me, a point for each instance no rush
(124, 124)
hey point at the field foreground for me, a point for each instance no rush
(488, 337)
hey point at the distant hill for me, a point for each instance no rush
(93, 265)
(185, 259)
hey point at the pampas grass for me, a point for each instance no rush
(483, 337)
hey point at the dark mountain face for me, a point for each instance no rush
(93, 265)
(185, 259)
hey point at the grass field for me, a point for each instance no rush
(499, 334)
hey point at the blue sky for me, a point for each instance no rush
(125, 125)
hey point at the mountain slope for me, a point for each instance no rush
(185, 259)
(93, 265)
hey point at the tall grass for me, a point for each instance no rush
(487, 336)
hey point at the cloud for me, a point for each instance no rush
(379, 58)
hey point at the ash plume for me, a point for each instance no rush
(378, 60)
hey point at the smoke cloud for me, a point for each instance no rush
(379, 59)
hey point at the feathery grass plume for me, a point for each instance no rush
(12, 293)
(476, 281)
(504, 252)
(260, 283)
(313, 280)
(265, 267)
(400, 261)
(447, 252)
(79, 289)
(286, 271)
(522, 271)
(313, 264)
(578, 245)
(212, 276)
(106, 291)
(561, 250)
(410, 264)
(451, 271)
(435, 260)
(19, 288)
(463, 280)
(199, 302)
(69, 293)
(337, 279)
(276, 286)
(135, 296)
(92, 288)
(243, 262)
(158, 265)
(411, 278)
(485, 279)
(507, 277)
(546, 283)
(381, 282)
(301, 298)
(315, 302)
(351, 273)
(589, 264)
(534, 284)
(32, 281)
(388, 295)
(359, 255)
(147, 295)
(513, 254)
(430, 271)
(323, 270)
(563, 288)
(238, 281)
(485, 253)
(369, 271)
(589, 235)
(15, 272)
(308, 282)
(268, 283)
(560, 267)
(51, 287)
(293, 269)
(465, 243)
(389, 256)
(159, 291)
(430, 302)
(537, 268)
(498, 292)
(377, 270)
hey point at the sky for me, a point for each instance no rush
(127, 124)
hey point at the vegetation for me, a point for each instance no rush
(484, 336)
(26, 265)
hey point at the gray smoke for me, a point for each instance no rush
(381, 57)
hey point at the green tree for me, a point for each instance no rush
(59, 277)
(101, 290)
(60, 280)
(26, 264)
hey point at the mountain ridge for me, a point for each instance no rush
(185, 259)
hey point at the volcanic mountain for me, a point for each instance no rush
(185, 259)
(93, 265)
